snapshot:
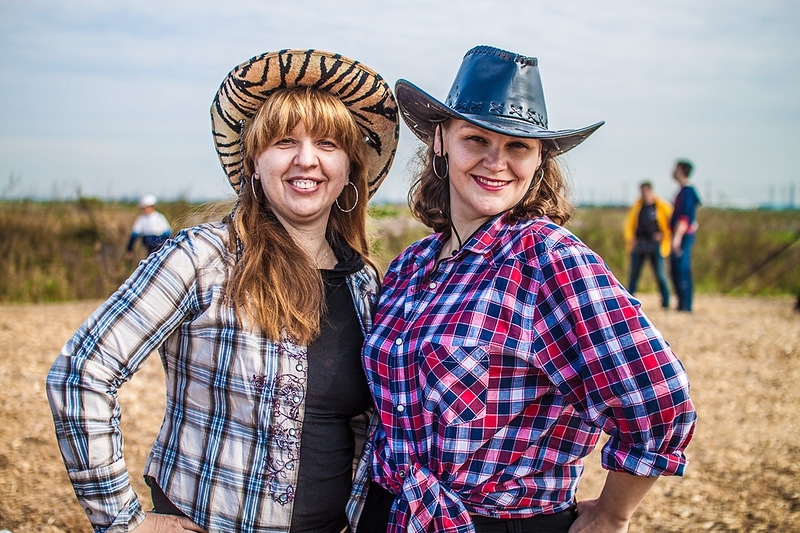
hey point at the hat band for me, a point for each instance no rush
(502, 109)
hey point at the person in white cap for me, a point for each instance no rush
(151, 226)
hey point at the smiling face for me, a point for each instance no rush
(489, 172)
(301, 175)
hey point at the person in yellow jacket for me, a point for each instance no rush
(647, 237)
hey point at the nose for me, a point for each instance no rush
(306, 155)
(494, 160)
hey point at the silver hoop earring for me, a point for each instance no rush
(435, 166)
(252, 185)
(354, 205)
(535, 185)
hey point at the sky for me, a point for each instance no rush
(111, 99)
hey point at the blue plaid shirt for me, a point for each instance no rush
(495, 371)
(227, 453)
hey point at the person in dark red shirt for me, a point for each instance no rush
(683, 225)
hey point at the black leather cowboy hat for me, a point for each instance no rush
(494, 89)
(362, 90)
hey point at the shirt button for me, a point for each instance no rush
(299, 367)
(292, 432)
(401, 408)
(88, 511)
(432, 285)
(402, 474)
(79, 492)
(398, 341)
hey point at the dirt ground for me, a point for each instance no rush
(742, 355)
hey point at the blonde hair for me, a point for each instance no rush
(274, 282)
(429, 196)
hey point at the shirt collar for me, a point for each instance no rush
(484, 241)
(486, 237)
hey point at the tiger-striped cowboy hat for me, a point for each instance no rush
(362, 90)
(493, 89)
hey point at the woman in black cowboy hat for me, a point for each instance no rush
(502, 346)
(259, 319)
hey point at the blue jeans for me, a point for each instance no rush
(651, 251)
(681, 272)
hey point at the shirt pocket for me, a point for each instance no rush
(454, 381)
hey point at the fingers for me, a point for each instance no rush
(188, 525)
(161, 523)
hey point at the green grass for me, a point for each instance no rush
(59, 251)
(382, 211)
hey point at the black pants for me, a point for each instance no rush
(550, 523)
(375, 518)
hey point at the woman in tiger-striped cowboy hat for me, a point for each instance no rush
(259, 319)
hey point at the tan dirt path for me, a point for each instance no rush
(742, 356)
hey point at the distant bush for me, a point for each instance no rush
(57, 251)
(74, 250)
(736, 251)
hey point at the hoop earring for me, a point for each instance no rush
(541, 169)
(252, 186)
(435, 166)
(539, 181)
(354, 205)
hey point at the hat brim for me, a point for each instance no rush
(422, 112)
(362, 90)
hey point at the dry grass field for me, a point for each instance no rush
(742, 355)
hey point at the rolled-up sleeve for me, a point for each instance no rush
(613, 366)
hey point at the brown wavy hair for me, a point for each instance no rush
(274, 282)
(429, 196)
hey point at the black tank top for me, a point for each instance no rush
(336, 392)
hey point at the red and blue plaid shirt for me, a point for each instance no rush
(495, 371)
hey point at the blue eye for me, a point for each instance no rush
(327, 144)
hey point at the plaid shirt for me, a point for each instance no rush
(227, 453)
(495, 371)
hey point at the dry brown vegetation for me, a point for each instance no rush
(742, 355)
(66, 251)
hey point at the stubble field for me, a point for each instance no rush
(742, 355)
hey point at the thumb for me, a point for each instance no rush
(188, 525)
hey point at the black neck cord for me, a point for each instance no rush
(455, 232)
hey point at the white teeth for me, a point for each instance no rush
(304, 184)
(490, 183)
